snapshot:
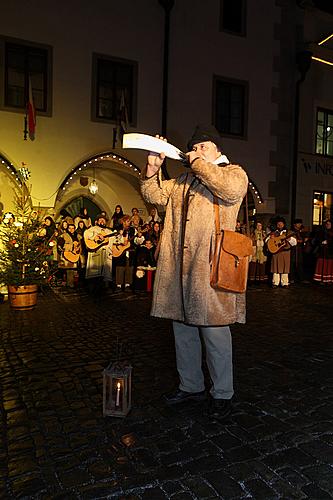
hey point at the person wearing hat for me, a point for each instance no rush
(280, 262)
(182, 290)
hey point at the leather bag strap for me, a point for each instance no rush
(217, 215)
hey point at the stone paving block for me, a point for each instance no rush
(74, 478)
(197, 449)
(109, 489)
(178, 457)
(286, 490)
(225, 441)
(316, 493)
(291, 456)
(144, 459)
(17, 447)
(171, 487)
(60, 495)
(224, 485)
(27, 486)
(182, 496)
(134, 481)
(171, 472)
(241, 454)
(203, 464)
(320, 474)
(100, 471)
(259, 490)
(153, 494)
(22, 465)
(295, 478)
(251, 469)
(319, 449)
(199, 488)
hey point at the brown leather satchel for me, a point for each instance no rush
(230, 259)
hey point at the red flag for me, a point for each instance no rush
(31, 114)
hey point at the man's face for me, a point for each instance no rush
(207, 150)
(101, 222)
(280, 224)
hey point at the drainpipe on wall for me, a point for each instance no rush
(167, 6)
(303, 62)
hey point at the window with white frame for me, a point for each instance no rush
(324, 132)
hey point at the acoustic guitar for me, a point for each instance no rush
(119, 248)
(74, 254)
(99, 240)
(278, 242)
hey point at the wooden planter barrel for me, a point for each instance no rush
(22, 298)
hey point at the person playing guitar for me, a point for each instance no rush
(279, 243)
(99, 240)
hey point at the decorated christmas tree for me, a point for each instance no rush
(22, 247)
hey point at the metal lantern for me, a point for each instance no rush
(117, 389)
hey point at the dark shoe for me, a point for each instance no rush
(285, 286)
(275, 286)
(220, 409)
(178, 396)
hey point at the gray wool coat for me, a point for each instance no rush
(182, 290)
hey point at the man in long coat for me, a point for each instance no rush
(182, 290)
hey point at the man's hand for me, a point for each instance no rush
(193, 155)
(155, 160)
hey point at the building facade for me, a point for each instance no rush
(159, 66)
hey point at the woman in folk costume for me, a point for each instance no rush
(257, 267)
(280, 263)
(182, 290)
(116, 218)
(153, 216)
(324, 265)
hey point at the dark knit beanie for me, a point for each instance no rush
(203, 133)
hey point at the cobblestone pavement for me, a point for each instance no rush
(56, 444)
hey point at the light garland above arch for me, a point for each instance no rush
(255, 192)
(11, 169)
(109, 156)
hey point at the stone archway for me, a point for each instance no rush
(117, 179)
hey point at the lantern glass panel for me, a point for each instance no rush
(117, 389)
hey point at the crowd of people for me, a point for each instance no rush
(120, 251)
(282, 256)
(126, 254)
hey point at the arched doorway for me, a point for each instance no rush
(118, 181)
(76, 206)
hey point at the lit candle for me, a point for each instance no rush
(118, 394)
